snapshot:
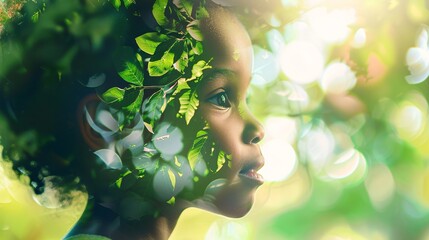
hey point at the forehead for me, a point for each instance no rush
(224, 36)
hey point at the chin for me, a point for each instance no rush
(235, 202)
(236, 212)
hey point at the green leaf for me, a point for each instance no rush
(113, 95)
(182, 63)
(130, 96)
(198, 68)
(170, 77)
(185, 6)
(162, 66)
(140, 60)
(177, 49)
(221, 160)
(132, 73)
(152, 109)
(172, 201)
(128, 180)
(202, 12)
(181, 57)
(128, 3)
(148, 42)
(196, 152)
(214, 157)
(158, 12)
(172, 178)
(132, 109)
(188, 104)
(197, 47)
(193, 29)
(35, 16)
(181, 85)
(117, 4)
(163, 47)
(128, 66)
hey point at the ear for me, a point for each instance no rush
(87, 107)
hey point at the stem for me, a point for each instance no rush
(174, 82)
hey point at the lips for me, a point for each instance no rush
(249, 173)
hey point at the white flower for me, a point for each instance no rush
(331, 26)
(302, 62)
(418, 59)
(338, 78)
(359, 39)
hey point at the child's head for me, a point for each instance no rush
(208, 157)
(223, 105)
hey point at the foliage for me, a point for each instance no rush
(154, 68)
(382, 117)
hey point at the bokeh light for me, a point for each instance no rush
(331, 26)
(341, 89)
(227, 230)
(280, 160)
(317, 146)
(265, 66)
(359, 39)
(302, 62)
(337, 78)
(380, 185)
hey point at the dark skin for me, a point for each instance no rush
(234, 129)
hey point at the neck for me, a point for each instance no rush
(99, 220)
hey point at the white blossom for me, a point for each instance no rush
(418, 59)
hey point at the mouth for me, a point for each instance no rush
(249, 173)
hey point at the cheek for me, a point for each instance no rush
(227, 131)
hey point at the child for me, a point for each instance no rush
(201, 151)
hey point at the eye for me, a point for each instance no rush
(220, 100)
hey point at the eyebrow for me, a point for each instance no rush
(213, 73)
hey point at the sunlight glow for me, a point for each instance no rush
(380, 186)
(349, 165)
(317, 146)
(280, 160)
(281, 128)
(227, 230)
(265, 66)
(417, 59)
(302, 62)
(4, 195)
(330, 26)
(290, 97)
(407, 113)
(338, 78)
(341, 231)
(359, 38)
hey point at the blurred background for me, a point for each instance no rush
(341, 89)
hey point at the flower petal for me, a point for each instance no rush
(110, 158)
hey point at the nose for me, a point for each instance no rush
(253, 130)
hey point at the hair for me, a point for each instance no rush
(44, 75)
(51, 54)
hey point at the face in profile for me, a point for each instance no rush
(223, 113)
(223, 106)
(122, 173)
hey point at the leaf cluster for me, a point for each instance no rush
(171, 59)
(170, 53)
(60, 45)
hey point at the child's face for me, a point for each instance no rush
(223, 105)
